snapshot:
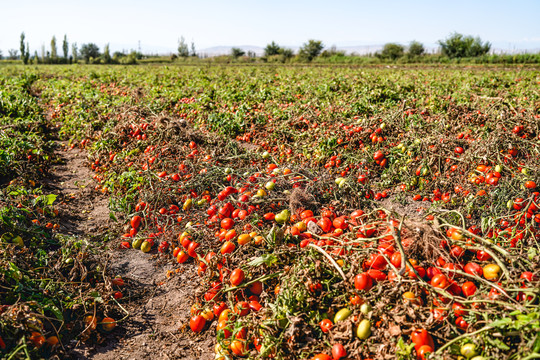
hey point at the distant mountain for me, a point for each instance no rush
(226, 50)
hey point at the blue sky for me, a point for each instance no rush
(158, 24)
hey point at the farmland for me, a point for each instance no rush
(294, 212)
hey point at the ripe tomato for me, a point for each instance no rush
(256, 288)
(136, 221)
(321, 357)
(468, 288)
(182, 257)
(363, 282)
(197, 323)
(227, 223)
(237, 277)
(474, 269)
(421, 337)
(423, 352)
(227, 247)
(218, 308)
(338, 351)
(326, 325)
(242, 308)
(459, 309)
(325, 224)
(440, 281)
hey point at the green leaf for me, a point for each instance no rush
(267, 259)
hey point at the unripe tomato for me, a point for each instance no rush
(468, 350)
(492, 272)
(363, 331)
(342, 315)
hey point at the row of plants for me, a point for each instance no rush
(362, 213)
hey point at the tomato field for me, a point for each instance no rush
(324, 213)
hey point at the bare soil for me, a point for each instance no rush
(159, 307)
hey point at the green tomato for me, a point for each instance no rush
(342, 315)
(468, 350)
(265, 155)
(270, 185)
(363, 331)
(283, 216)
(146, 247)
(136, 244)
(365, 308)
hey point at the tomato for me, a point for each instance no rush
(340, 223)
(468, 350)
(255, 305)
(462, 324)
(321, 357)
(227, 247)
(237, 277)
(218, 308)
(528, 276)
(197, 323)
(440, 281)
(238, 347)
(342, 315)
(474, 269)
(530, 184)
(37, 339)
(182, 257)
(376, 275)
(481, 255)
(468, 288)
(395, 259)
(492, 272)
(459, 309)
(457, 251)
(227, 223)
(326, 325)
(363, 331)
(376, 261)
(363, 282)
(242, 308)
(191, 250)
(325, 224)
(422, 337)
(136, 221)
(423, 352)
(224, 328)
(256, 288)
(338, 352)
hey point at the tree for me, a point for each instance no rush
(193, 52)
(311, 49)
(459, 46)
(53, 49)
(237, 52)
(23, 47)
(183, 49)
(392, 51)
(65, 48)
(1, 56)
(13, 54)
(75, 52)
(272, 49)
(89, 51)
(333, 51)
(416, 49)
(106, 55)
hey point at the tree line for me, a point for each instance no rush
(455, 47)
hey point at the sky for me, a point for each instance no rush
(157, 25)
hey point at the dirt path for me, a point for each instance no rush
(157, 327)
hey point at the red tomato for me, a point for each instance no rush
(363, 282)
(321, 357)
(376, 275)
(136, 221)
(421, 337)
(237, 277)
(440, 281)
(197, 323)
(474, 269)
(325, 224)
(338, 352)
(227, 223)
(326, 325)
(242, 308)
(468, 288)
